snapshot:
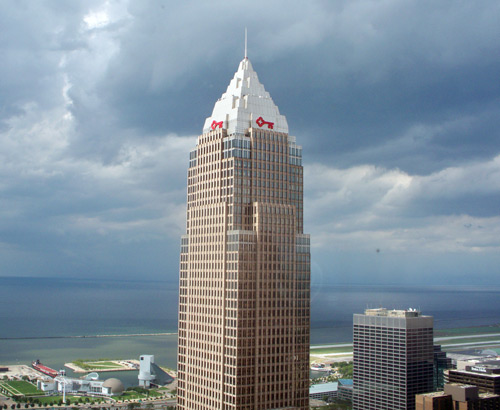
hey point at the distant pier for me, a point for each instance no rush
(86, 336)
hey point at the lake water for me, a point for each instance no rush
(34, 310)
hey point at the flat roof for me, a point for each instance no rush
(393, 312)
(323, 387)
(434, 394)
(475, 373)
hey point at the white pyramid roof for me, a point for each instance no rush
(245, 104)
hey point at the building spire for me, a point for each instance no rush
(243, 103)
(246, 55)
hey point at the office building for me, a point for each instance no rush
(245, 261)
(441, 363)
(457, 397)
(345, 390)
(485, 374)
(393, 358)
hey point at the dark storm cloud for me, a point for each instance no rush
(421, 64)
(397, 105)
(352, 77)
(34, 34)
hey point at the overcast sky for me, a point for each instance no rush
(396, 103)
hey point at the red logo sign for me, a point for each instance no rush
(260, 122)
(216, 124)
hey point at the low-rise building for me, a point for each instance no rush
(345, 389)
(324, 391)
(484, 374)
(85, 386)
(46, 384)
(457, 397)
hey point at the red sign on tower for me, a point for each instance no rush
(260, 122)
(216, 124)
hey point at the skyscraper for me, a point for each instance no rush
(393, 358)
(245, 262)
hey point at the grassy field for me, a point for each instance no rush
(329, 350)
(32, 394)
(130, 394)
(482, 339)
(16, 387)
(56, 399)
(85, 365)
(465, 331)
(483, 336)
(102, 365)
(153, 393)
(133, 395)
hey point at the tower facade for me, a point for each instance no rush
(393, 358)
(244, 297)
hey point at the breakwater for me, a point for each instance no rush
(86, 336)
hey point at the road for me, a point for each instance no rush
(436, 339)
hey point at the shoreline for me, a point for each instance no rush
(343, 351)
(480, 337)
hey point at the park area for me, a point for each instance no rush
(17, 388)
(102, 365)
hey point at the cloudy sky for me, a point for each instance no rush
(396, 103)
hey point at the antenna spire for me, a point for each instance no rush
(246, 55)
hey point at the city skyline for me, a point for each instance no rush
(396, 107)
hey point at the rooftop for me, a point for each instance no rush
(323, 387)
(393, 313)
